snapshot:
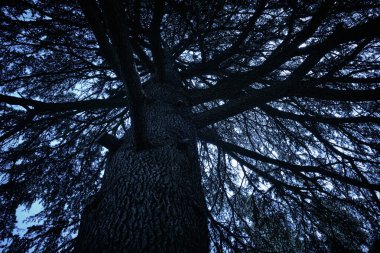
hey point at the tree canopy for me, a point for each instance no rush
(285, 96)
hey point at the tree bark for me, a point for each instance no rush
(151, 200)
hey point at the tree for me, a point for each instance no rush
(190, 126)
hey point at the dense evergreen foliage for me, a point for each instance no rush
(284, 94)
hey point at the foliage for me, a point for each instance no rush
(285, 95)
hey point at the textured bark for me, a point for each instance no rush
(151, 200)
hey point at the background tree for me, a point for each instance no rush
(277, 100)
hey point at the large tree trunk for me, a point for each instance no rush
(151, 200)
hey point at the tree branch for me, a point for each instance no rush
(317, 118)
(336, 95)
(252, 99)
(93, 15)
(43, 107)
(234, 83)
(156, 42)
(292, 167)
(257, 98)
(109, 141)
(117, 24)
(204, 67)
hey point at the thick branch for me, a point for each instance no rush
(43, 107)
(117, 25)
(109, 141)
(93, 15)
(141, 54)
(156, 42)
(257, 98)
(239, 105)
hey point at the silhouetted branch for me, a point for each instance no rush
(292, 167)
(44, 107)
(109, 141)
